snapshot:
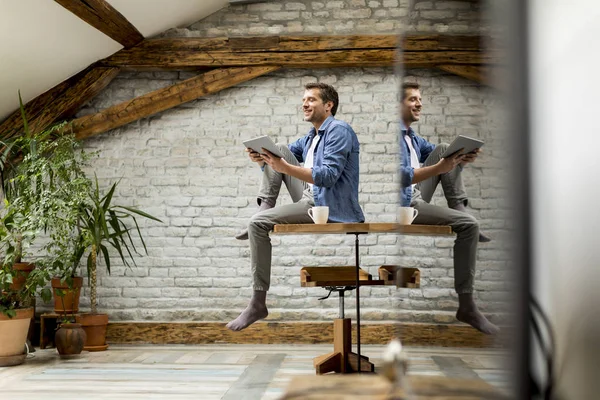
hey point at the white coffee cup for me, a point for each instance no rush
(319, 214)
(406, 215)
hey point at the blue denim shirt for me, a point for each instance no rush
(423, 148)
(335, 169)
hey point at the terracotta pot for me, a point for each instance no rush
(69, 339)
(94, 326)
(23, 270)
(71, 297)
(13, 334)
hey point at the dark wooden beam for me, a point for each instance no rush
(163, 99)
(102, 16)
(472, 72)
(313, 43)
(60, 102)
(483, 74)
(303, 52)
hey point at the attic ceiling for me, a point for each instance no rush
(43, 43)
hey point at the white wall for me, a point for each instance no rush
(564, 60)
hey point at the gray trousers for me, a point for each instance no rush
(464, 225)
(262, 222)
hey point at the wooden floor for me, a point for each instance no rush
(228, 372)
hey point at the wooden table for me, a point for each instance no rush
(375, 387)
(357, 229)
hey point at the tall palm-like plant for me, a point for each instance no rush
(103, 225)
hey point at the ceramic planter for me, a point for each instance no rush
(13, 334)
(69, 339)
(69, 304)
(95, 328)
(22, 272)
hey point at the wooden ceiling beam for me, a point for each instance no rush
(312, 43)
(483, 74)
(313, 59)
(102, 16)
(471, 72)
(164, 99)
(60, 102)
(303, 51)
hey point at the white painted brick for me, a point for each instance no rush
(264, 7)
(141, 292)
(193, 282)
(182, 272)
(180, 292)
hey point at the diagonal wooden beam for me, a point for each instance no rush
(484, 74)
(102, 16)
(163, 99)
(60, 102)
(302, 52)
(471, 72)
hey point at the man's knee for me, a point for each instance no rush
(442, 146)
(466, 223)
(282, 147)
(258, 222)
(471, 222)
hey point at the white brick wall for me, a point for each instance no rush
(187, 166)
(340, 16)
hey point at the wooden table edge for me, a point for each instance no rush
(371, 227)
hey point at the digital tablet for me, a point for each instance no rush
(257, 144)
(465, 143)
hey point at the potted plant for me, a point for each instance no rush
(22, 174)
(70, 190)
(42, 185)
(70, 336)
(25, 177)
(103, 225)
(16, 301)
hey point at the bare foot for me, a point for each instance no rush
(250, 315)
(477, 320)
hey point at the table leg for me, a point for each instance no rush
(356, 257)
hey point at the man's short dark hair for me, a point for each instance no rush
(328, 93)
(409, 85)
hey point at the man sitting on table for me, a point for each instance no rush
(418, 185)
(329, 177)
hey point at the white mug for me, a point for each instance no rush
(319, 215)
(406, 215)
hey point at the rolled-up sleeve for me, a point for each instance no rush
(407, 173)
(337, 147)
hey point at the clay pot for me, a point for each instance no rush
(69, 339)
(13, 333)
(95, 328)
(71, 297)
(23, 270)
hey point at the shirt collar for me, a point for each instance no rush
(406, 130)
(323, 126)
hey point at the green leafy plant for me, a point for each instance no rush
(42, 185)
(65, 317)
(23, 173)
(103, 225)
